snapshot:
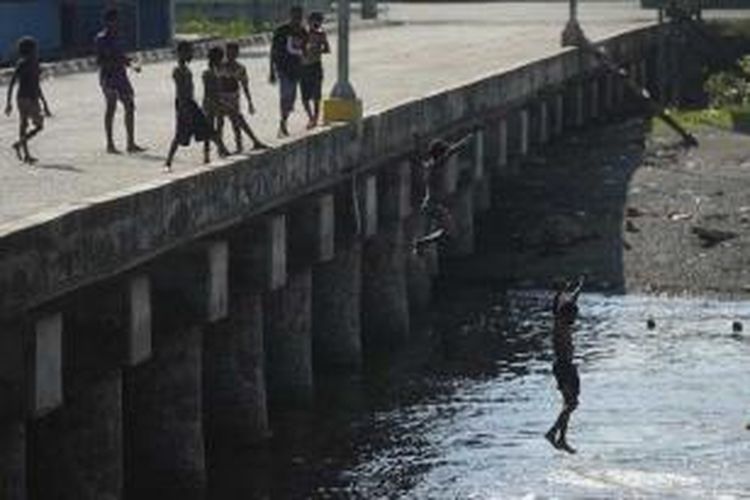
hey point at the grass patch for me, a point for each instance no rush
(735, 118)
(199, 24)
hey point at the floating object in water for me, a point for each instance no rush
(650, 323)
(736, 326)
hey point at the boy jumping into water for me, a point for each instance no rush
(440, 222)
(565, 311)
(28, 98)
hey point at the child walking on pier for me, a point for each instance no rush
(232, 79)
(29, 98)
(565, 311)
(190, 122)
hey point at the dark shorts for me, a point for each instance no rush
(117, 88)
(287, 92)
(568, 382)
(311, 83)
(29, 110)
(191, 124)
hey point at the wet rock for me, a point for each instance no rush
(711, 237)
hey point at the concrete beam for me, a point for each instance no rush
(524, 131)
(543, 121)
(370, 207)
(277, 252)
(594, 98)
(502, 157)
(559, 118)
(326, 228)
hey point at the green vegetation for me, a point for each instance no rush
(729, 102)
(197, 23)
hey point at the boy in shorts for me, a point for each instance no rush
(191, 123)
(28, 98)
(311, 76)
(565, 311)
(233, 78)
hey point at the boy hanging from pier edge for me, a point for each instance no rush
(29, 98)
(190, 121)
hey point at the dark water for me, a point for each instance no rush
(461, 414)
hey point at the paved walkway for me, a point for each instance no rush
(426, 49)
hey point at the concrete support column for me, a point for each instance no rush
(337, 283)
(594, 98)
(502, 150)
(482, 183)
(288, 341)
(462, 241)
(163, 397)
(524, 132)
(419, 268)
(559, 118)
(76, 450)
(385, 307)
(163, 407)
(643, 72)
(579, 98)
(609, 92)
(543, 121)
(13, 459)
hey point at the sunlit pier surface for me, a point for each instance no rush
(411, 52)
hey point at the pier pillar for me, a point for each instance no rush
(385, 308)
(524, 132)
(609, 92)
(594, 98)
(502, 148)
(559, 114)
(234, 388)
(12, 459)
(75, 450)
(163, 397)
(579, 111)
(461, 241)
(543, 121)
(288, 340)
(337, 283)
(482, 178)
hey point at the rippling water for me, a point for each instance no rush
(662, 414)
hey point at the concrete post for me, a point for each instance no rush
(594, 98)
(502, 153)
(385, 308)
(337, 281)
(288, 341)
(12, 459)
(543, 121)
(461, 240)
(523, 147)
(579, 115)
(482, 185)
(559, 122)
(46, 378)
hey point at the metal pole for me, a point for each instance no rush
(343, 89)
(573, 11)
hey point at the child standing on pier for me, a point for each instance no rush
(232, 79)
(565, 310)
(311, 81)
(29, 98)
(190, 121)
(212, 105)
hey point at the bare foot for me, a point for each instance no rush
(563, 445)
(550, 436)
(111, 149)
(261, 146)
(30, 160)
(135, 148)
(17, 148)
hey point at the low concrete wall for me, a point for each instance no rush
(50, 254)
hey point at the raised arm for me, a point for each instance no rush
(457, 146)
(577, 290)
